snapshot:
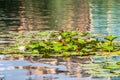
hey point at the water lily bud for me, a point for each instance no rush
(59, 37)
(22, 48)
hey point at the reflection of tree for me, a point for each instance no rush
(40, 67)
(113, 17)
(57, 14)
(81, 15)
(105, 16)
(98, 16)
(9, 14)
(10, 20)
(73, 66)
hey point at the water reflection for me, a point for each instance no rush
(21, 68)
(37, 15)
(9, 15)
(105, 17)
(57, 14)
(36, 68)
(99, 17)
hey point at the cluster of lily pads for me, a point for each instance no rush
(61, 43)
(71, 43)
(102, 67)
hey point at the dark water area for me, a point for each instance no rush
(98, 17)
(9, 15)
(32, 15)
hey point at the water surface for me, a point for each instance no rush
(104, 17)
(95, 16)
(35, 68)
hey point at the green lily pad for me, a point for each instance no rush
(110, 37)
(118, 63)
(111, 66)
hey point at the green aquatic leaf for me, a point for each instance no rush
(33, 45)
(106, 74)
(74, 47)
(64, 34)
(98, 71)
(91, 66)
(118, 63)
(74, 53)
(111, 66)
(86, 50)
(109, 48)
(66, 54)
(57, 49)
(110, 37)
(59, 44)
(66, 48)
(44, 33)
(53, 34)
(116, 71)
(42, 43)
(67, 39)
(35, 52)
(83, 34)
(81, 41)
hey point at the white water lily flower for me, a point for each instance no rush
(59, 37)
(2, 56)
(22, 48)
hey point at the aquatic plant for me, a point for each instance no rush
(62, 43)
(102, 67)
(70, 43)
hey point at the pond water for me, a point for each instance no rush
(94, 16)
(97, 17)
(35, 68)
